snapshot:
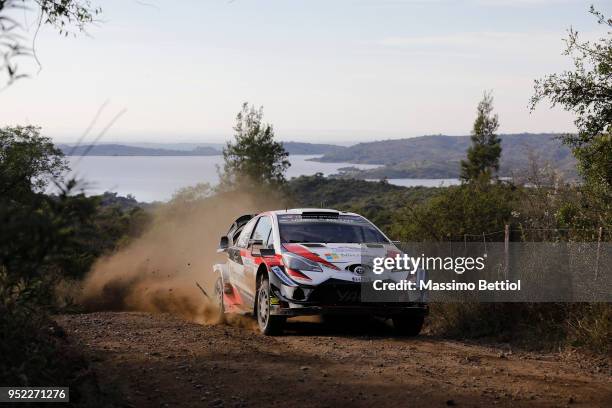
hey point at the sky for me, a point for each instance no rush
(324, 70)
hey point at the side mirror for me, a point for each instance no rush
(223, 244)
(258, 249)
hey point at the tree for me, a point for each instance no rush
(483, 156)
(587, 91)
(254, 156)
(61, 14)
(28, 161)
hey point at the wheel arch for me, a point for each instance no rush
(262, 270)
(220, 271)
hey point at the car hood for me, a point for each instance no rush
(340, 255)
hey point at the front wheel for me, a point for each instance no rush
(408, 325)
(268, 324)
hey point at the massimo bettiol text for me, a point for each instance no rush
(412, 265)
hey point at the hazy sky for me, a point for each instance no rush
(329, 70)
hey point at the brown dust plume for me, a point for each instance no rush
(158, 271)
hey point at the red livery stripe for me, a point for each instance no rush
(296, 274)
(304, 252)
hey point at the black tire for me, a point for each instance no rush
(219, 300)
(268, 324)
(408, 325)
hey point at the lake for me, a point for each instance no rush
(155, 178)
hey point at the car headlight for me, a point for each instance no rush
(300, 263)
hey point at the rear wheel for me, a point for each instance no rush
(408, 325)
(268, 324)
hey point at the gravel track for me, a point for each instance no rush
(145, 360)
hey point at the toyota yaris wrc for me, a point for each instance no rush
(309, 262)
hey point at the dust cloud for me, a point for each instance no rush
(158, 271)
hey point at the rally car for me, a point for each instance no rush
(299, 262)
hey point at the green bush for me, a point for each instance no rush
(471, 208)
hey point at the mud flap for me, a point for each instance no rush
(276, 308)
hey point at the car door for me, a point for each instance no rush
(262, 232)
(236, 263)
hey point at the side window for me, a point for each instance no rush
(263, 230)
(243, 240)
(268, 243)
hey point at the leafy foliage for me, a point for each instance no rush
(456, 211)
(44, 239)
(254, 157)
(587, 89)
(61, 14)
(595, 165)
(65, 13)
(28, 161)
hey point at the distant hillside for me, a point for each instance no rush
(142, 150)
(124, 150)
(439, 156)
(311, 148)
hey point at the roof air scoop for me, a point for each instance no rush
(320, 214)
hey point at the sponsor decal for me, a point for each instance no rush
(351, 250)
(332, 257)
(281, 275)
(274, 301)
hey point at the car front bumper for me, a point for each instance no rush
(338, 297)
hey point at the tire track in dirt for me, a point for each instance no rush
(144, 360)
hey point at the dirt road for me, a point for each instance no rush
(147, 360)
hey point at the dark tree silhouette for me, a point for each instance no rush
(254, 156)
(485, 151)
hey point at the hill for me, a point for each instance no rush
(125, 150)
(162, 149)
(439, 156)
(312, 148)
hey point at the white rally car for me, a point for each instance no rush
(309, 262)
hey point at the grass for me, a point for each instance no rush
(533, 326)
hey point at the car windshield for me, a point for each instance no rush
(342, 229)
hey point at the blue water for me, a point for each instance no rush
(154, 178)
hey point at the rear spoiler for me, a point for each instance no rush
(228, 239)
(240, 221)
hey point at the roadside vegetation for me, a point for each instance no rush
(47, 242)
